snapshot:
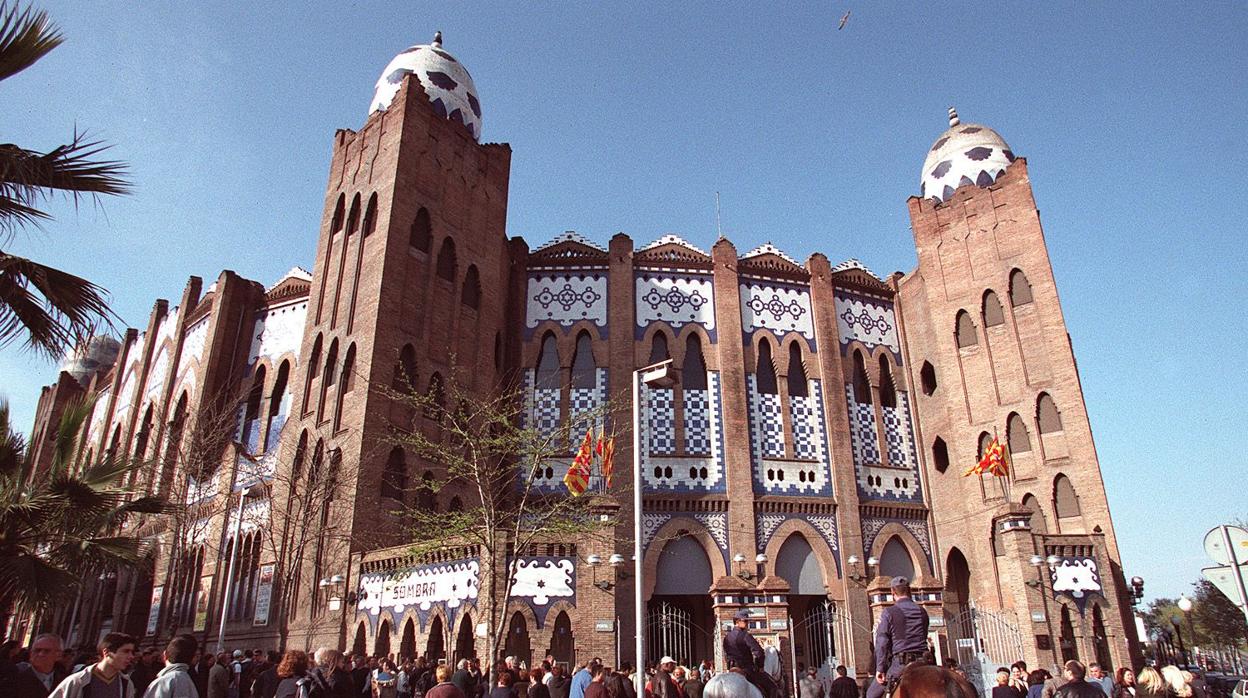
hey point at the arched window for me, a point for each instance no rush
(296, 466)
(370, 215)
(339, 211)
(471, 295)
(927, 376)
(173, 444)
(548, 363)
(765, 371)
(144, 435)
(250, 436)
(985, 440)
(862, 384)
(314, 368)
(405, 372)
(328, 377)
(498, 352)
(693, 372)
(658, 348)
(1065, 501)
(888, 391)
(394, 478)
(798, 384)
(278, 407)
(348, 370)
(994, 314)
(1038, 523)
(447, 261)
(421, 234)
(425, 498)
(1020, 288)
(317, 466)
(967, 335)
(895, 560)
(353, 218)
(114, 446)
(1047, 415)
(456, 504)
(940, 455)
(583, 372)
(1020, 440)
(436, 394)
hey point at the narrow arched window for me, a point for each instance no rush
(370, 215)
(339, 212)
(250, 428)
(314, 368)
(1065, 501)
(447, 261)
(394, 478)
(498, 352)
(145, 433)
(658, 348)
(425, 498)
(1020, 440)
(994, 314)
(1047, 415)
(693, 371)
(348, 370)
(421, 234)
(296, 466)
(927, 376)
(985, 440)
(798, 383)
(436, 396)
(765, 371)
(966, 332)
(548, 363)
(1020, 288)
(583, 370)
(405, 371)
(330, 374)
(353, 218)
(862, 384)
(940, 455)
(278, 407)
(888, 390)
(471, 295)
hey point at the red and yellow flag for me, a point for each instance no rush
(995, 461)
(608, 460)
(577, 479)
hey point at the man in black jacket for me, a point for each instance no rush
(37, 678)
(743, 652)
(1076, 685)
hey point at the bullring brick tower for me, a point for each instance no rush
(813, 446)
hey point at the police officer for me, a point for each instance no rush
(900, 638)
(743, 651)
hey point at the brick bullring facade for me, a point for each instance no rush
(814, 444)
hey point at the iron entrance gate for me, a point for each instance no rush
(671, 631)
(984, 640)
(828, 639)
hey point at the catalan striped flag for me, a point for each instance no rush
(995, 461)
(577, 479)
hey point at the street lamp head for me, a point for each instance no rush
(760, 558)
(873, 561)
(1036, 561)
(738, 558)
(616, 560)
(337, 579)
(1185, 604)
(593, 560)
(323, 583)
(1053, 560)
(1137, 582)
(853, 559)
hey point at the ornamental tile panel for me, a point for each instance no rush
(781, 308)
(566, 299)
(677, 299)
(867, 320)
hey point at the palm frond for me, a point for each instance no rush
(12, 445)
(54, 309)
(27, 176)
(26, 35)
(68, 431)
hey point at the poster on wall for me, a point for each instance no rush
(201, 604)
(263, 595)
(153, 613)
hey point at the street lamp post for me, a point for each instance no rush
(1185, 605)
(654, 376)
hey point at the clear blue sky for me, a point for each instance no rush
(629, 117)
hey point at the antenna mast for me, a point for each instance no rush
(719, 228)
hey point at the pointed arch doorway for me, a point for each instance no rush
(435, 646)
(465, 641)
(518, 644)
(680, 621)
(407, 646)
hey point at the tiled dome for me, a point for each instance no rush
(965, 154)
(445, 80)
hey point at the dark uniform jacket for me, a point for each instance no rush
(902, 628)
(742, 650)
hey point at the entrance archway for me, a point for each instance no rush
(895, 560)
(1100, 642)
(358, 646)
(381, 646)
(435, 647)
(407, 646)
(465, 642)
(1070, 649)
(680, 620)
(517, 644)
(815, 628)
(561, 639)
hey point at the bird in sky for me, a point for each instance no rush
(844, 21)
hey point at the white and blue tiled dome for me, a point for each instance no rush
(965, 154)
(445, 80)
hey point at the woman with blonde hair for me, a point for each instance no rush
(1173, 676)
(1149, 684)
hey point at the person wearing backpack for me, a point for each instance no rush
(291, 673)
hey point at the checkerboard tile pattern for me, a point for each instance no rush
(806, 437)
(897, 436)
(865, 438)
(768, 423)
(697, 422)
(661, 420)
(808, 473)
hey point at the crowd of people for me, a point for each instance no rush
(183, 670)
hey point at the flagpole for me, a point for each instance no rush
(1005, 481)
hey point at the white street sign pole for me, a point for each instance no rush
(1235, 571)
(638, 613)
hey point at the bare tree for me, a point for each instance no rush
(486, 450)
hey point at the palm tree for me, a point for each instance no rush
(67, 523)
(52, 309)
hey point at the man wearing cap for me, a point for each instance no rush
(662, 685)
(743, 652)
(900, 638)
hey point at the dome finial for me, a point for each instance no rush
(953, 117)
(437, 38)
